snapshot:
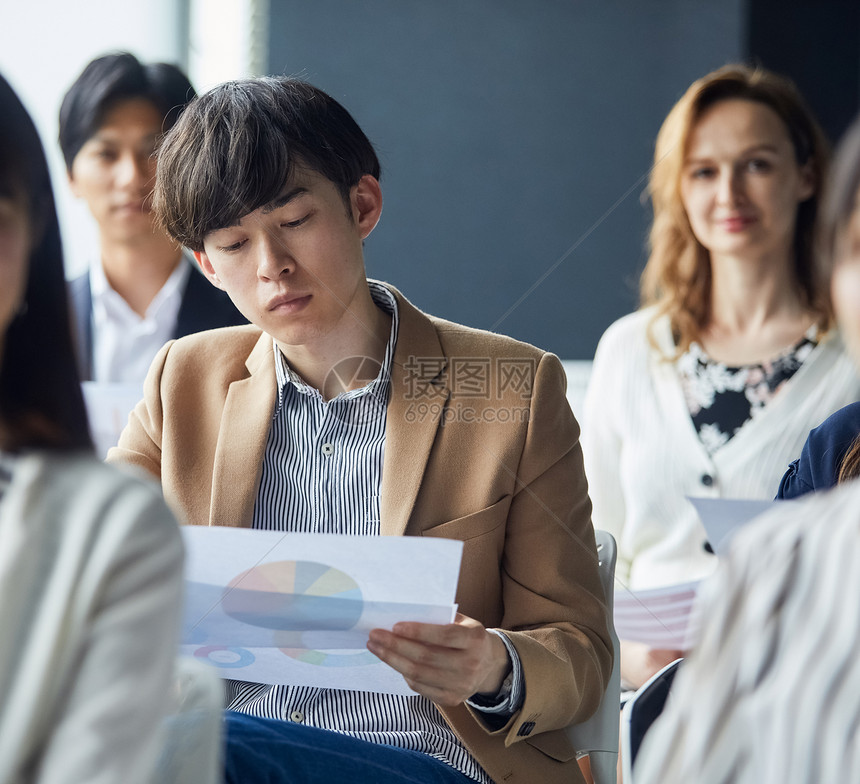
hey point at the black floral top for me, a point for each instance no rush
(722, 398)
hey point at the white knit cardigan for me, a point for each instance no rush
(90, 596)
(643, 457)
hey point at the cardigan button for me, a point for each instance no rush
(707, 480)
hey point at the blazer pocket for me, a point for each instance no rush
(472, 525)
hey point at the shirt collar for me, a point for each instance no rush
(104, 296)
(382, 298)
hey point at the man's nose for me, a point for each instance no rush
(274, 258)
(135, 170)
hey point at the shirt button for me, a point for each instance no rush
(328, 449)
(707, 480)
(297, 716)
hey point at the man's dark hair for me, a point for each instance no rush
(234, 148)
(41, 404)
(109, 80)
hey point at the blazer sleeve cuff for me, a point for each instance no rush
(509, 698)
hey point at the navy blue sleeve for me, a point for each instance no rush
(822, 454)
(796, 481)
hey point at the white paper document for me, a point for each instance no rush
(659, 617)
(296, 609)
(722, 517)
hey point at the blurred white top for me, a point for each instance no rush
(769, 695)
(90, 580)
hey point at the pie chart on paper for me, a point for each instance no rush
(297, 598)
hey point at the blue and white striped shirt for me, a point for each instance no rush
(322, 472)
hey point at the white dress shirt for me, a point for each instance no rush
(124, 344)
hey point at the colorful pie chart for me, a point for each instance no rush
(297, 599)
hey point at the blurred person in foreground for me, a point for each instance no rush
(90, 558)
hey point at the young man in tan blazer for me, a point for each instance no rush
(343, 408)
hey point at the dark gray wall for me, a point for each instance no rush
(817, 44)
(514, 139)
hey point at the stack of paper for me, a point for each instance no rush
(663, 617)
(659, 617)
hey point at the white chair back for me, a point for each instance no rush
(598, 737)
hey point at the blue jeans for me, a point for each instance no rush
(269, 751)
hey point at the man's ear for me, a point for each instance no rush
(207, 269)
(366, 203)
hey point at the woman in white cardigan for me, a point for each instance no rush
(769, 694)
(711, 388)
(90, 559)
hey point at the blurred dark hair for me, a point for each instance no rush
(107, 81)
(41, 404)
(234, 148)
(840, 202)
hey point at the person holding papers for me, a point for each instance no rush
(142, 291)
(768, 695)
(345, 409)
(90, 558)
(711, 388)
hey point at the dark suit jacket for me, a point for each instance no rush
(203, 307)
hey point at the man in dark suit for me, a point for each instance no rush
(145, 291)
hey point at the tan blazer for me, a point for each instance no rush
(480, 446)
